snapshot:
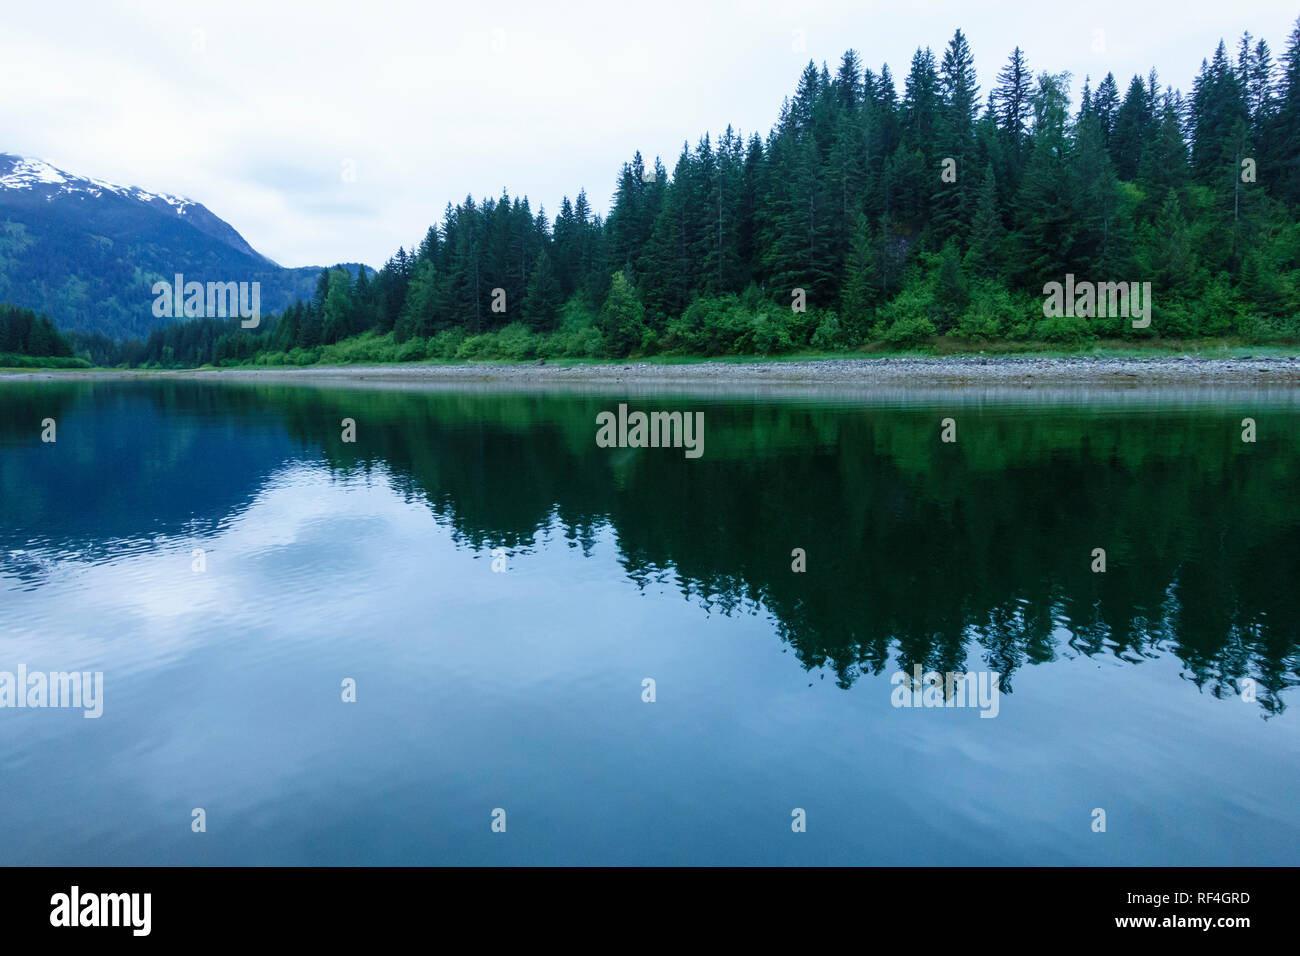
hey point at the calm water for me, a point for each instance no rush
(522, 690)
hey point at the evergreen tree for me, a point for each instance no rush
(1106, 107)
(952, 201)
(1285, 152)
(1130, 130)
(1012, 102)
(622, 317)
(848, 82)
(309, 329)
(1046, 220)
(987, 230)
(844, 198)
(1100, 234)
(861, 284)
(542, 301)
(951, 289)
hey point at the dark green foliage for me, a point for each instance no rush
(544, 298)
(24, 332)
(846, 199)
(622, 317)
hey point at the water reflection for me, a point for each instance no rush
(918, 551)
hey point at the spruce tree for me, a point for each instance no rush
(987, 231)
(622, 318)
(861, 283)
(542, 301)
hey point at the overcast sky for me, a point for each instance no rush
(329, 132)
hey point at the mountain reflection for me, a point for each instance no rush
(918, 552)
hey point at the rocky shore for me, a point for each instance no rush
(837, 374)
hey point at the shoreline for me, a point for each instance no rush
(834, 374)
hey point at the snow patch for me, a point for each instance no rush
(26, 173)
(30, 173)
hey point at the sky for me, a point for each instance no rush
(328, 132)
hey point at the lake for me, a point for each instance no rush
(627, 655)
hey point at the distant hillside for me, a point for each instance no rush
(87, 252)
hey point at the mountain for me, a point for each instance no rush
(87, 252)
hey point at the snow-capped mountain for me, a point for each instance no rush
(86, 252)
(39, 179)
(36, 174)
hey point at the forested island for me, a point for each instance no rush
(867, 219)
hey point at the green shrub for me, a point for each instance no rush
(678, 336)
(13, 360)
(910, 331)
(1170, 318)
(573, 343)
(771, 335)
(412, 350)
(445, 344)
(1260, 329)
(576, 314)
(829, 335)
(300, 356)
(730, 325)
(909, 318)
(371, 347)
(552, 346)
(478, 347)
(991, 312)
(587, 343)
(516, 342)
(1064, 329)
(1219, 311)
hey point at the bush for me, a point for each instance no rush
(829, 335)
(1219, 309)
(587, 342)
(553, 346)
(730, 325)
(728, 328)
(1064, 330)
(12, 360)
(300, 356)
(1260, 329)
(771, 334)
(678, 337)
(909, 318)
(445, 344)
(516, 342)
(802, 325)
(577, 313)
(478, 346)
(992, 311)
(909, 331)
(577, 336)
(412, 350)
(371, 347)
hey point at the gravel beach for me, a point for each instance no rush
(832, 374)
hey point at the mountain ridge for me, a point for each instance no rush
(86, 251)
